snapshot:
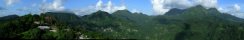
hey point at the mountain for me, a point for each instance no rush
(195, 23)
(99, 14)
(205, 24)
(174, 11)
(146, 24)
(7, 18)
(64, 17)
(109, 25)
(133, 17)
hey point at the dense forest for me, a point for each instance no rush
(195, 23)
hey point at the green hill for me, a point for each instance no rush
(195, 23)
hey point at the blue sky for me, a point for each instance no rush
(145, 6)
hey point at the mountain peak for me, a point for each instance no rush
(98, 14)
(214, 10)
(60, 13)
(9, 17)
(199, 6)
(122, 11)
(174, 11)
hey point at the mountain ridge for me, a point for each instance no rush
(183, 24)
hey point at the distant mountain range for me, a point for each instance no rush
(195, 23)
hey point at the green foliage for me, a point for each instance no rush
(195, 23)
(32, 34)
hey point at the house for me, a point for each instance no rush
(43, 27)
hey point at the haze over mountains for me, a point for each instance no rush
(194, 23)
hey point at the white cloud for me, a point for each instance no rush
(55, 5)
(120, 7)
(206, 3)
(233, 10)
(240, 15)
(221, 9)
(99, 5)
(162, 6)
(237, 7)
(159, 7)
(109, 7)
(177, 3)
(135, 11)
(84, 11)
(10, 2)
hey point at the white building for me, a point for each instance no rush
(43, 27)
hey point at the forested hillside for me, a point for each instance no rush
(195, 23)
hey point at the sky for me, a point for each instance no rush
(84, 7)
